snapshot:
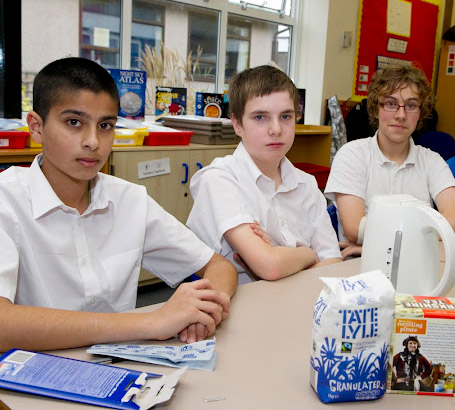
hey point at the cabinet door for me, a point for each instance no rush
(171, 190)
(203, 157)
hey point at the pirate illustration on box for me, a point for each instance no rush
(410, 367)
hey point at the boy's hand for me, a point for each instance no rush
(193, 303)
(261, 232)
(196, 332)
(349, 249)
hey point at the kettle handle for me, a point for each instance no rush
(438, 223)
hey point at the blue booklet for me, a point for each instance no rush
(132, 86)
(85, 382)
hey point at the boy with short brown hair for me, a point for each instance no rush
(254, 207)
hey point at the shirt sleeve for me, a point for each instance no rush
(439, 174)
(9, 267)
(349, 172)
(218, 206)
(171, 251)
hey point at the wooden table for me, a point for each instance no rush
(263, 356)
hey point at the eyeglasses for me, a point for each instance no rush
(392, 106)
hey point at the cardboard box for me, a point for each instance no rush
(422, 356)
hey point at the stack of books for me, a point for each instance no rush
(206, 130)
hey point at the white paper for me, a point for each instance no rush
(399, 17)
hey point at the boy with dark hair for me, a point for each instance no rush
(73, 239)
(254, 206)
(399, 99)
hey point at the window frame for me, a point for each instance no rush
(224, 8)
(91, 47)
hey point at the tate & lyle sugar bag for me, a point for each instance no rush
(352, 323)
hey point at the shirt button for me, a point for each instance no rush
(83, 262)
(283, 224)
(92, 301)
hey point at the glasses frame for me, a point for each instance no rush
(383, 105)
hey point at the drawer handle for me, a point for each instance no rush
(186, 173)
(199, 165)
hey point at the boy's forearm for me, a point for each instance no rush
(291, 260)
(221, 273)
(35, 328)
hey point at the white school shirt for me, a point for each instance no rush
(232, 191)
(88, 262)
(361, 169)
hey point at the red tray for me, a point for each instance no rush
(13, 139)
(168, 138)
(320, 172)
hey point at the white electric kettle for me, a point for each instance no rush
(402, 239)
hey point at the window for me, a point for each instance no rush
(252, 42)
(237, 46)
(147, 29)
(100, 32)
(196, 44)
(203, 44)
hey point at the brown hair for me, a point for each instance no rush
(386, 82)
(257, 82)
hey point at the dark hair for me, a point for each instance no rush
(411, 339)
(70, 75)
(257, 82)
(386, 82)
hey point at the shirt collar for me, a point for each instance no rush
(44, 199)
(289, 178)
(410, 159)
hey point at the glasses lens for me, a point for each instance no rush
(412, 108)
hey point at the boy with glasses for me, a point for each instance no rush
(399, 99)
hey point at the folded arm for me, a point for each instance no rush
(266, 261)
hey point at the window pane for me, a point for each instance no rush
(203, 44)
(147, 29)
(253, 42)
(182, 48)
(100, 36)
(146, 11)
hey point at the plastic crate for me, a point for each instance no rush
(320, 172)
(127, 137)
(168, 138)
(13, 139)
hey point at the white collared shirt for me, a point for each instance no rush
(233, 191)
(88, 262)
(361, 169)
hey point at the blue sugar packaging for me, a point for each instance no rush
(352, 326)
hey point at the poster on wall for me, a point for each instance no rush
(394, 32)
(451, 61)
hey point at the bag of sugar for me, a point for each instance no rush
(352, 324)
